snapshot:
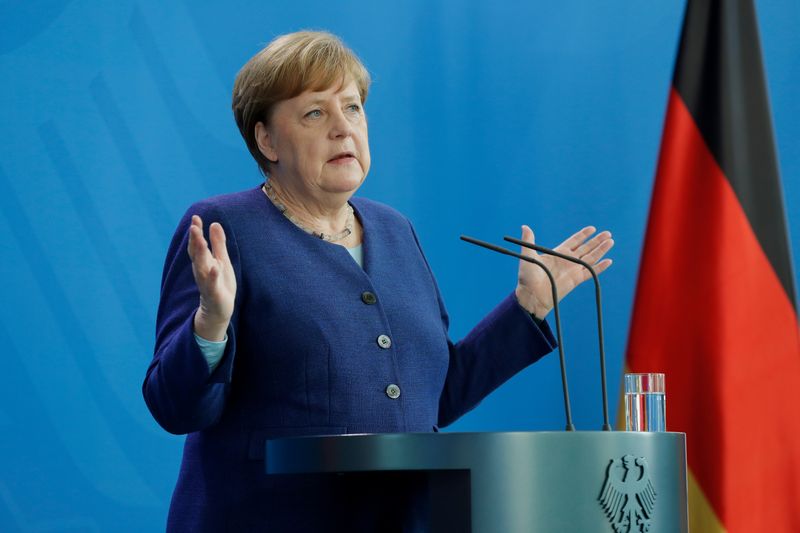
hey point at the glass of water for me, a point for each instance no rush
(645, 402)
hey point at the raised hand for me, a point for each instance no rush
(215, 280)
(533, 287)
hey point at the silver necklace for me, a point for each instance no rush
(346, 232)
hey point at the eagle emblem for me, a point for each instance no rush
(628, 496)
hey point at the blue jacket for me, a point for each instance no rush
(316, 345)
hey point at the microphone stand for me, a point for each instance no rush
(567, 409)
(587, 266)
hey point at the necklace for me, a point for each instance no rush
(348, 226)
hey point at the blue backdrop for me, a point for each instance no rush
(116, 116)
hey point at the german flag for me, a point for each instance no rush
(715, 306)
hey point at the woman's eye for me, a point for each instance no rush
(314, 113)
(354, 108)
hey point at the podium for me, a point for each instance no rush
(580, 481)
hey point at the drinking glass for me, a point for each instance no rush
(645, 402)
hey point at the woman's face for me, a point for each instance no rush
(319, 140)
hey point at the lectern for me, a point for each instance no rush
(579, 481)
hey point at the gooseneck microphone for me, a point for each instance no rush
(587, 266)
(554, 290)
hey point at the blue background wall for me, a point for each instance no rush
(115, 117)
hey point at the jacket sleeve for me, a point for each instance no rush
(180, 391)
(506, 341)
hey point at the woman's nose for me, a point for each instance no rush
(340, 125)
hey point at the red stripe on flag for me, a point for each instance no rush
(711, 313)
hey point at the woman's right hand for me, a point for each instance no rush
(215, 279)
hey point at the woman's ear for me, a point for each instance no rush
(265, 142)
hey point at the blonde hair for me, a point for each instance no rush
(288, 66)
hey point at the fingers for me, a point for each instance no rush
(577, 245)
(577, 239)
(217, 236)
(602, 265)
(591, 250)
(199, 253)
(593, 243)
(197, 243)
(601, 247)
(528, 236)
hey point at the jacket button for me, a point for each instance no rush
(368, 298)
(384, 342)
(393, 391)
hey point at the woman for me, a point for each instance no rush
(306, 311)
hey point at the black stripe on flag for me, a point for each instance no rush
(720, 77)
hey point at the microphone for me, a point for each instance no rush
(554, 290)
(587, 266)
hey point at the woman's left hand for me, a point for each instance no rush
(533, 286)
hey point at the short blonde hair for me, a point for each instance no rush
(288, 66)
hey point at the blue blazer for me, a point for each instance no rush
(316, 345)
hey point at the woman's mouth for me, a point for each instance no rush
(342, 159)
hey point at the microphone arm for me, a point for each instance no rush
(567, 408)
(587, 266)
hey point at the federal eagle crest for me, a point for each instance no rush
(628, 496)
